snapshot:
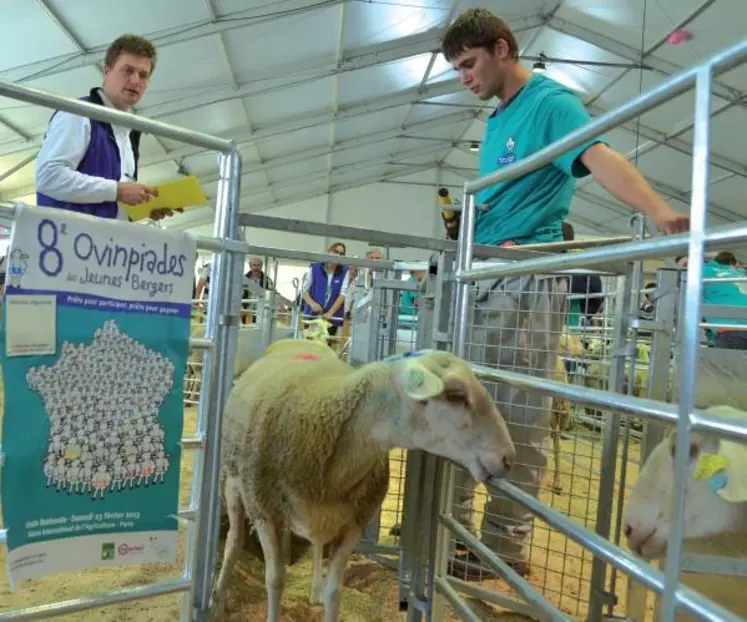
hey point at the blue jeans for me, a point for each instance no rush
(731, 340)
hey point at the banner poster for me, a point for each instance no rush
(95, 339)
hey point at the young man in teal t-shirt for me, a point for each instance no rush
(518, 320)
(729, 292)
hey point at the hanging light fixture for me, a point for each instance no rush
(541, 65)
(474, 147)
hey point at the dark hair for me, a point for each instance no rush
(726, 258)
(131, 44)
(336, 244)
(568, 232)
(477, 28)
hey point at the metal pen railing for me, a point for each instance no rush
(203, 512)
(47, 99)
(701, 76)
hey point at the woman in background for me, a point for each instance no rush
(324, 293)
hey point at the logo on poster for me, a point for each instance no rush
(128, 549)
(107, 551)
(17, 266)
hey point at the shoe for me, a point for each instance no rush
(468, 567)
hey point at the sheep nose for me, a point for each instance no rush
(508, 459)
(627, 530)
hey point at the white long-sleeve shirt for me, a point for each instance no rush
(64, 146)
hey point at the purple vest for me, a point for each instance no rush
(321, 295)
(100, 160)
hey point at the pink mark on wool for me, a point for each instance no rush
(679, 36)
(307, 357)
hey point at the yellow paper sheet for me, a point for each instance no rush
(184, 192)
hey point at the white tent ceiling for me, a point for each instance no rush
(326, 95)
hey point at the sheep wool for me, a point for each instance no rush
(289, 453)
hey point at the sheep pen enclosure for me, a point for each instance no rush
(561, 570)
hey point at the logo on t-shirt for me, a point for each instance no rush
(508, 157)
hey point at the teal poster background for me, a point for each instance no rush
(91, 434)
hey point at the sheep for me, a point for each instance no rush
(306, 443)
(560, 421)
(716, 495)
(715, 510)
(194, 366)
(248, 349)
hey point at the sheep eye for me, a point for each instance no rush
(694, 450)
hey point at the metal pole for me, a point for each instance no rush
(464, 262)
(444, 495)
(18, 166)
(688, 371)
(110, 115)
(639, 222)
(608, 465)
(653, 248)
(700, 606)
(222, 326)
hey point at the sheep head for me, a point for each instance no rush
(715, 493)
(317, 330)
(447, 411)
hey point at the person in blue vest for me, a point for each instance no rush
(410, 300)
(325, 287)
(88, 166)
(534, 111)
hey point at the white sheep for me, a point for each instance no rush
(715, 510)
(194, 365)
(716, 491)
(306, 446)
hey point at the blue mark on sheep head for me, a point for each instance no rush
(407, 355)
(718, 482)
(417, 381)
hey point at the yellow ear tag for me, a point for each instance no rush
(709, 464)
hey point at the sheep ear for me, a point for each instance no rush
(419, 383)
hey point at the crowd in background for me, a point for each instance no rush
(330, 290)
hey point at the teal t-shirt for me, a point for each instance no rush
(530, 209)
(407, 300)
(728, 293)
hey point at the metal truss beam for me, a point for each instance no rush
(268, 81)
(627, 52)
(212, 14)
(243, 135)
(389, 159)
(364, 140)
(670, 140)
(204, 216)
(161, 38)
(656, 45)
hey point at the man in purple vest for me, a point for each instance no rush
(88, 166)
